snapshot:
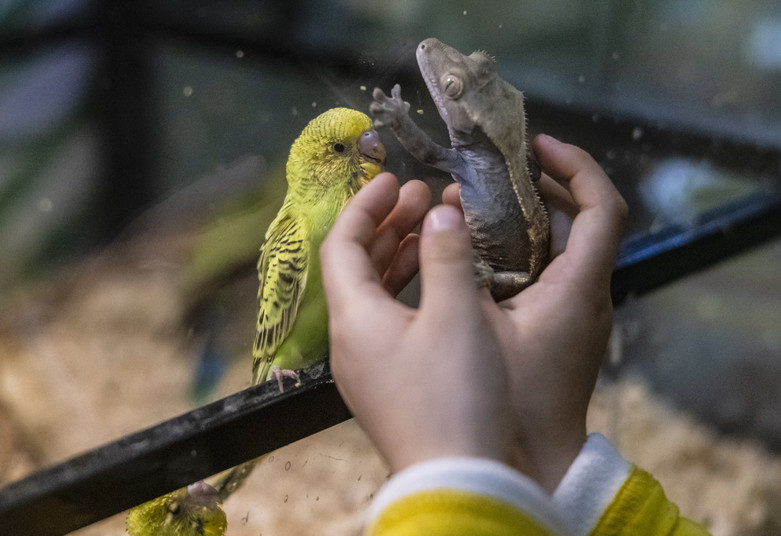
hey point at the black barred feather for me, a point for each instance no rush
(327, 165)
(282, 270)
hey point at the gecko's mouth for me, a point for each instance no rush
(428, 48)
(431, 83)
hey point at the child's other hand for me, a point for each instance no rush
(423, 383)
(553, 334)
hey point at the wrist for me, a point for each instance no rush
(453, 430)
(592, 482)
(417, 452)
(547, 459)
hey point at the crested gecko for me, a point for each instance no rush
(489, 159)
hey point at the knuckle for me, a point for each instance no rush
(619, 208)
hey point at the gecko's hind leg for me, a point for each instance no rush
(484, 274)
(508, 284)
(502, 285)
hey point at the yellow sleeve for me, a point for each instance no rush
(641, 508)
(462, 496)
(601, 495)
(454, 513)
(604, 495)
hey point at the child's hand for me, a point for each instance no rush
(553, 334)
(423, 383)
(436, 381)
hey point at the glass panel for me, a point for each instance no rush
(48, 168)
(138, 175)
(711, 343)
(16, 15)
(691, 393)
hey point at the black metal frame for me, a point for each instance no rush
(141, 466)
(177, 452)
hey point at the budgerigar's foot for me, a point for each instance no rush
(280, 374)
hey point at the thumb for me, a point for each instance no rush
(446, 273)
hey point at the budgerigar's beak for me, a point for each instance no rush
(203, 494)
(370, 146)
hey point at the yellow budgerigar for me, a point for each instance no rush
(335, 155)
(192, 511)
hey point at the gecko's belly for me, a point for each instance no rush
(498, 228)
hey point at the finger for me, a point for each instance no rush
(404, 265)
(413, 203)
(562, 210)
(346, 264)
(556, 197)
(597, 227)
(574, 168)
(451, 195)
(446, 274)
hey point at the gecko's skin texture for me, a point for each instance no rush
(488, 158)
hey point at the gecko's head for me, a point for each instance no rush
(455, 82)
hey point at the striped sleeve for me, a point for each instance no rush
(462, 496)
(604, 495)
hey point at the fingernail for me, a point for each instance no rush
(444, 218)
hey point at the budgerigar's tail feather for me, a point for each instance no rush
(229, 481)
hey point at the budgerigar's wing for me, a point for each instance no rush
(282, 269)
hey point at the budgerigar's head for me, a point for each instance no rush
(338, 149)
(192, 511)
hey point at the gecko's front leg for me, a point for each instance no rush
(389, 111)
(393, 112)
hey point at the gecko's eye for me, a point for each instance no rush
(453, 86)
(339, 147)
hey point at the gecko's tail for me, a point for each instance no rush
(229, 481)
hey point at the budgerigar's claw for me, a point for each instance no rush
(280, 374)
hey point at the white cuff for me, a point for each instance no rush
(482, 476)
(590, 484)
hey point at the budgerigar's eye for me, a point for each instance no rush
(339, 147)
(174, 508)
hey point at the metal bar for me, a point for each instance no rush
(149, 463)
(274, 41)
(123, 92)
(23, 41)
(650, 261)
(598, 130)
